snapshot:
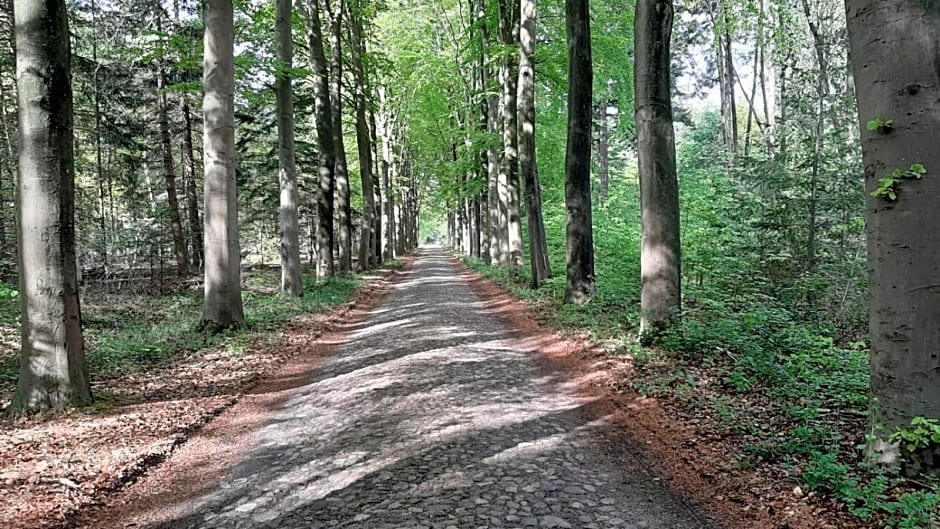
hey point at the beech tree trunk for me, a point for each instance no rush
(223, 294)
(538, 243)
(603, 152)
(291, 278)
(509, 122)
(660, 255)
(344, 229)
(579, 233)
(192, 200)
(169, 173)
(53, 373)
(363, 140)
(894, 50)
(323, 114)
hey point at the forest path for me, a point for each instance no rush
(432, 414)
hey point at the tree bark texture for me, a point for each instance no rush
(509, 123)
(579, 232)
(344, 229)
(223, 295)
(895, 50)
(53, 372)
(288, 224)
(323, 114)
(192, 200)
(169, 173)
(538, 243)
(363, 140)
(660, 255)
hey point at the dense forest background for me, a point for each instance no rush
(773, 336)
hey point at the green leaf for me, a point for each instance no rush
(918, 169)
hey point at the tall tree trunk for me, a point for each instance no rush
(579, 232)
(291, 279)
(53, 372)
(538, 244)
(169, 173)
(890, 46)
(363, 141)
(99, 167)
(192, 200)
(223, 294)
(323, 114)
(822, 89)
(499, 244)
(660, 255)
(376, 189)
(344, 229)
(509, 116)
(729, 114)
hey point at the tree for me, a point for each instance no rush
(508, 36)
(53, 372)
(341, 172)
(325, 141)
(538, 243)
(291, 280)
(893, 53)
(579, 231)
(223, 295)
(660, 255)
(367, 234)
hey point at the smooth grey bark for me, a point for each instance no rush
(323, 114)
(660, 253)
(508, 36)
(291, 278)
(376, 188)
(53, 373)
(891, 48)
(192, 200)
(223, 294)
(495, 198)
(538, 243)
(579, 234)
(343, 193)
(363, 139)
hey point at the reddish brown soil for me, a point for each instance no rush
(684, 448)
(76, 470)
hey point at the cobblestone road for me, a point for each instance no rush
(432, 416)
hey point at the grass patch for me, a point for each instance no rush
(131, 333)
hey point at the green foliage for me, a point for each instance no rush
(922, 433)
(880, 124)
(889, 186)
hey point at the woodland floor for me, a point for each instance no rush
(441, 404)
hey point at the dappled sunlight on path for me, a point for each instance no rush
(432, 414)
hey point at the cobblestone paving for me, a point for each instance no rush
(432, 416)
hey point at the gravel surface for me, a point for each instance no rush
(433, 415)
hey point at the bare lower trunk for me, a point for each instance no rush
(660, 256)
(344, 229)
(363, 140)
(890, 46)
(223, 295)
(509, 115)
(538, 244)
(169, 173)
(579, 232)
(53, 372)
(325, 141)
(291, 279)
(192, 200)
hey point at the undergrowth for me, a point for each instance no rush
(131, 333)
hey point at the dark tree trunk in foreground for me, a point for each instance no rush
(363, 138)
(291, 279)
(223, 294)
(660, 256)
(538, 244)
(579, 233)
(323, 114)
(895, 50)
(344, 229)
(53, 373)
(192, 200)
(169, 168)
